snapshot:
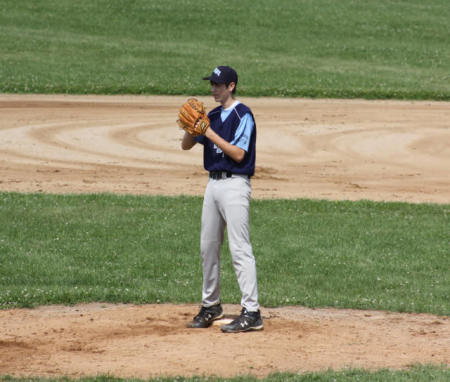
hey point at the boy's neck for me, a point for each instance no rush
(228, 102)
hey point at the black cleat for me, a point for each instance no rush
(245, 322)
(206, 316)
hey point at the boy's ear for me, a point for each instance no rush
(231, 86)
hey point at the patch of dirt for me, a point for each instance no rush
(152, 340)
(326, 149)
(323, 149)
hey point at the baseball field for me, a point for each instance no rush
(100, 208)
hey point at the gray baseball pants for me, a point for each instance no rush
(226, 204)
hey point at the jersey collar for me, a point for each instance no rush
(233, 105)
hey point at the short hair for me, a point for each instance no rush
(235, 87)
(226, 84)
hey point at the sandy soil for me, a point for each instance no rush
(151, 340)
(328, 149)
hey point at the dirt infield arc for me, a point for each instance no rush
(326, 149)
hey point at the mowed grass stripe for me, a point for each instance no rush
(416, 373)
(144, 249)
(321, 48)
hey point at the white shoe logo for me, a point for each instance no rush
(243, 324)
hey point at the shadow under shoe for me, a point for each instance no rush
(206, 317)
(247, 321)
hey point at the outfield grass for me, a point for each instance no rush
(312, 48)
(415, 374)
(80, 248)
(144, 249)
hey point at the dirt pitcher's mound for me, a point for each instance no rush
(152, 340)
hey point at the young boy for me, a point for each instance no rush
(229, 156)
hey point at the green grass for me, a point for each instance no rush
(143, 249)
(312, 48)
(415, 374)
(69, 249)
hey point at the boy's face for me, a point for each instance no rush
(222, 92)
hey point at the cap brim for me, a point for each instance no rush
(214, 79)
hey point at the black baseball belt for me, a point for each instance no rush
(223, 174)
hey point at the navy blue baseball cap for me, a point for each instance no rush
(223, 75)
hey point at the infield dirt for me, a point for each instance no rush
(326, 149)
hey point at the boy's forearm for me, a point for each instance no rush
(188, 141)
(234, 152)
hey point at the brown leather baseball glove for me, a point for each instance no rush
(192, 117)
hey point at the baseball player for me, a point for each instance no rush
(229, 157)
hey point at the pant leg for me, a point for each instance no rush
(235, 207)
(212, 235)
